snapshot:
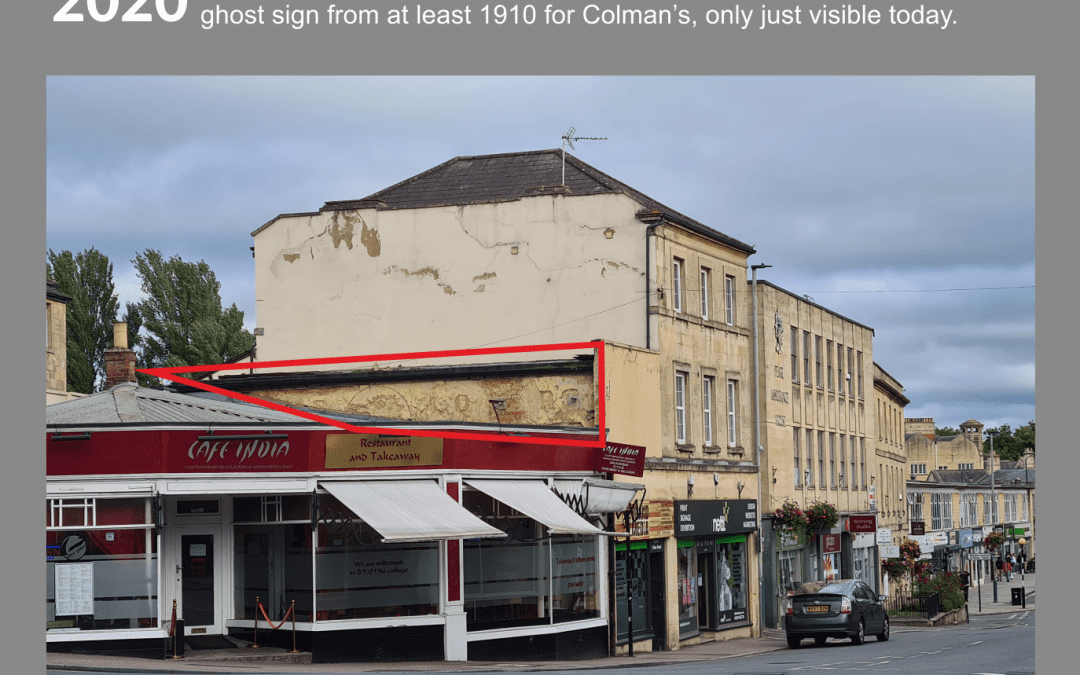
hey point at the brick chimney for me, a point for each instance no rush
(119, 360)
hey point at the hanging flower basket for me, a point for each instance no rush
(993, 541)
(894, 567)
(909, 550)
(821, 516)
(789, 517)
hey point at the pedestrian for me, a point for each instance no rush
(1008, 569)
(1022, 558)
(1012, 562)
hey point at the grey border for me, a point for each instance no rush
(991, 37)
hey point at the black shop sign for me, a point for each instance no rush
(715, 516)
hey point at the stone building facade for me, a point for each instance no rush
(928, 452)
(496, 250)
(55, 344)
(817, 422)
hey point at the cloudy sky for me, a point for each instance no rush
(906, 204)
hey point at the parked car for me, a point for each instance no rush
(842, 608)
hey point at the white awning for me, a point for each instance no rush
(603, 496)
(536, 500)
(409, 510)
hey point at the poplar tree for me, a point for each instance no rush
(181, 321)
(87, 278)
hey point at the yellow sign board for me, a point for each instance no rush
(369, 451)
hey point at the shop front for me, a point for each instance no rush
(713, 539)
(384, 546)
(640, 574)
(861, 537)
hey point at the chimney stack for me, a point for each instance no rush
(119, 360)
(1029, 458)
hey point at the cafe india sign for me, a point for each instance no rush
(369, 451)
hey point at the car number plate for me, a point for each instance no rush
(817, 608)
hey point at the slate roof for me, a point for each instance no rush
(1007, 477)
(961, 476)
(128, 403)
(484, 179)
(52, 291)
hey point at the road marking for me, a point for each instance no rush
(978, 643)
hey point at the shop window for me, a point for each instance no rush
(272, 563)
(574, 578)
(102, 577)
(359, 577)
(731, 579)
(272, 509)
(687, 588)
(632, 572)
(507, 580)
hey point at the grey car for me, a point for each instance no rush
(842, 608)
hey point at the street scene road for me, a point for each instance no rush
(996, 644)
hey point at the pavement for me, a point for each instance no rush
(770, 640)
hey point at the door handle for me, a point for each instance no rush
(179, 569)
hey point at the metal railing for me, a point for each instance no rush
(913, 606)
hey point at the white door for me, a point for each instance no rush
(199, 578)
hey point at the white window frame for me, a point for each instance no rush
(732, 404)
(677, 284)
(729, 300)
(946, 512)
(680, 407)
(707, 388)
(704, 292)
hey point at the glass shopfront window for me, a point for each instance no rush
(731, 579)
(507, 581)
(272, 555)
(101, 564)
(632, 573)
(575, 578)
(687, 587)
(358, 577)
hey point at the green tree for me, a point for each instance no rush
(947, 431)
(87, 278)
(181, 321)
(1009, 445)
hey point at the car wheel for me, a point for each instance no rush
(859, 637)
(820, 640)
(883, 636)
(793, 641)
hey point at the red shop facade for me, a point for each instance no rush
(401, 546)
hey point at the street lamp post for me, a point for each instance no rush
(757, 445)
(993, 511)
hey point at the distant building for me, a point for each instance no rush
(56, 345)
(928, 452)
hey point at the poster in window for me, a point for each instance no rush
(74, 589)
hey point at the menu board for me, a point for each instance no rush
(74, 588)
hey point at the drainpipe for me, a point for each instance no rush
(757, 447)
(648, 289)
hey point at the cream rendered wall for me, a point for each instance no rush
(542, 269)
(892, 465)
